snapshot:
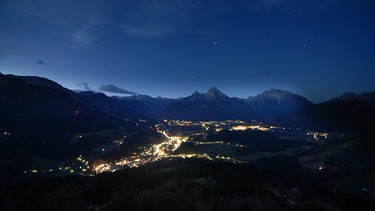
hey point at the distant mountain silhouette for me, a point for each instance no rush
(213, 105)
(153, 106)
(275, 102)
(33, 104)
(367, 97)
(114, 106)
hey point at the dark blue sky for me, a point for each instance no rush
(319, 49)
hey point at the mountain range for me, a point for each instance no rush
(50, 134)
(30, 104)
(213, 105)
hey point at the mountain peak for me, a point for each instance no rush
(275, 102)
(280, 96)
(214, 92)
(274, 91)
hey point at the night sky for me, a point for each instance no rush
(316, 48)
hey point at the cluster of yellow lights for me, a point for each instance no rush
(252, 127)
(118, 141)
(82, 160)
(171, 144)
(205, 126)
(149, 154)
(316, 135)
(164, 150)
(204, 155)
(80, 166)
(208, 142)
(102, 167)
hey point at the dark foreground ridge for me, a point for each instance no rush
(277, 183)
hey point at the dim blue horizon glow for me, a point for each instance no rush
(318, 49)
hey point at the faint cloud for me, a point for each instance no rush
(86, 22)
(149, 31)
(84, 86)
(158, 18)
(115, 89)
(79, 20)
(41, 62)
(89, 33)
(153, 19)
(60, 13)
(83, 38)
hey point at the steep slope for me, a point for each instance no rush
(31, 108)
(213, 105)
(39, 81)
